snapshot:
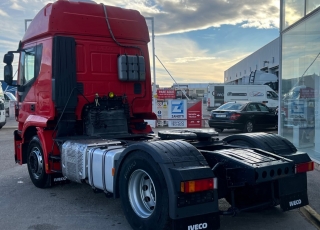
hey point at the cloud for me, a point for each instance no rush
(182, 56)
(15, 6)
(178, 57)
(177, 16)
(3, 13)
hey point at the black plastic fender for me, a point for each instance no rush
(266, 141)
(179, 161)
(269, 142)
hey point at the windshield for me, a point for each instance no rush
(231, 106)
(272, 95)
(11, 96)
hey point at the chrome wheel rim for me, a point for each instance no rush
(249, 127)
(142, 193)
(36, 162)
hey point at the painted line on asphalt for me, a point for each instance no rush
(311, 215)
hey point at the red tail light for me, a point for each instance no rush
(305, 167)
(198, 185)
(235, 116)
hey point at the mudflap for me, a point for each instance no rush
(208, 222)
(294, 201)
(58, 179)
(293, 192)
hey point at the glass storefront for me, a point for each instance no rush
(293, 10)
(312, 5)
(300, 104)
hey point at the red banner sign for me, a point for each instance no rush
(194, 114)
(166, 94)
(307, 93)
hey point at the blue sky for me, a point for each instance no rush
(197, 40)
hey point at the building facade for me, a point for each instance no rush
(299, 74)
(265, 59)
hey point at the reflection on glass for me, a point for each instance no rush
(312, 5)
(293, 10)
(300, 104)
(29, 67)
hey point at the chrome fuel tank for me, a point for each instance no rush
(75, 153)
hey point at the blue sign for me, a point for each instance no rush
(178, 109)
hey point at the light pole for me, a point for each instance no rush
(154, 89)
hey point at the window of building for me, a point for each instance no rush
(300, 102)
(312, 5)
(292, 11)
(198, 91)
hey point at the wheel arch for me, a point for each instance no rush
(162, 152)
(26, 136)
(266, 141)
(45, 141)
(169, 155)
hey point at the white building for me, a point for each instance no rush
(265, 59)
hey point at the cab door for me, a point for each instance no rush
(29, 67)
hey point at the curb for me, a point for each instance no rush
(9, 127)
(311, 215)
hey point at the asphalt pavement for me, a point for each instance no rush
(311, 211)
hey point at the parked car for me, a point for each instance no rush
(3, 119)
(246, 116)
(9, 98)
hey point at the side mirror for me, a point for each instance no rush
(8, 74)
(8, 58)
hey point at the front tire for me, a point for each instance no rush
(144, 193)
(36, 165)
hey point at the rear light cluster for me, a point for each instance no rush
(235, 116)
(198, 185)
(305, 167)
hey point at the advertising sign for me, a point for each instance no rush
(194, 114)
(297, 109)
(307, 93)
(166, 94)
(218, 94)
(177, 109)
(177, 112)
(177, 123)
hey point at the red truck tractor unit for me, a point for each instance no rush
(84, 92)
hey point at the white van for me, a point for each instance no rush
(219, 94)
(2, 114)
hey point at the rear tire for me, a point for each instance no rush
(36, 165)
(218, 130)
(144, 193)
(249, 127)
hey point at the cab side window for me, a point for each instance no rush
(269, 96)
(30, 61)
